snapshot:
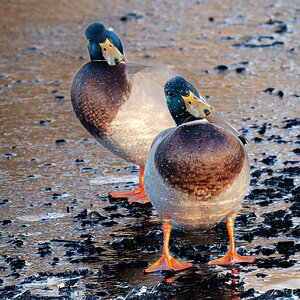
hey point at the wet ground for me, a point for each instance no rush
(60, 236)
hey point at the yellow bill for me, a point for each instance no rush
(111, 53)
(197, 106)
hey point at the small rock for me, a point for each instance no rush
(61, 141)
(221, 68)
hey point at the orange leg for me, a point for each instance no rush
(167, 262)
(136, 195)
(232, 257)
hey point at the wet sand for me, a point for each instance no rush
(60, 236)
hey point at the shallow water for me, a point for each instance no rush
(43, 188)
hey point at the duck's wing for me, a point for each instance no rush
(158, 74)
(215, 118)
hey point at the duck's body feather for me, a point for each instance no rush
(123, 106)
(196, 174)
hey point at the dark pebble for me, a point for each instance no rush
(6, 222)
(296, 231)
(61, 141)
(56, 196)
(82, 214)
(30, 49)
(270, 160)
(295, 208)
(45, 122)
(271, 262)
(16, 263)
(292, 170)
(86, 260)
(131, 16)
(79, 161)
(221, 68)
(211, 19)
(109, 223)
(110, 207)
(122, 244)
(296, 151)
(261, 275)
(291, 123)
(248, 294)
(44, 249)
(4, 202)
(240, 70)
(286, 247)
(296, 190)
(18, 243)
(281, 28)
(280, 94)
(277, 294)
(257, 140)
(282, 182)
(125, 264)
(269, 90)
(59, 97)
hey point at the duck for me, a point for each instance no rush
(122, 105)
(196, 174)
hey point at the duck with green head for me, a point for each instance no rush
(120, 104)
(123, 105)
(196, 173)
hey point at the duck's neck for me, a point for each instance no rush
(188, 118)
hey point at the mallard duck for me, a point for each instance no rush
(196, 173)
(122, 105)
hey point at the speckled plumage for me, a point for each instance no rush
(122, 106)
(97, 93)
(196, 174)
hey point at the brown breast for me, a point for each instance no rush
(97, 93)
(200, 159)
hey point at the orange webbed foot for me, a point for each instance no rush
(127, 194)
(232, 259)
(168, 263)
(137, 195)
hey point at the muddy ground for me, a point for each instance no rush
(61, 237)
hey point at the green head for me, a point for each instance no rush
(104, 44)
(184, 102)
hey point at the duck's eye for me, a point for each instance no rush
(110, 45)
(189, 102)
(104, 49)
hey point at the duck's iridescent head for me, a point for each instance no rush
(104, 44)
(184, 102)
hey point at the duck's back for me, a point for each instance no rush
(123, 107)
(201, 172)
